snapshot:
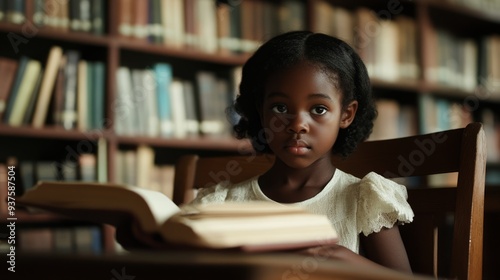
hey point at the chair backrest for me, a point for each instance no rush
(445, 239)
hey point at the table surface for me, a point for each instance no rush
(191, 265)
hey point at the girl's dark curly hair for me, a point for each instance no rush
(336, 58)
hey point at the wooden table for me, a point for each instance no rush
(191, 265)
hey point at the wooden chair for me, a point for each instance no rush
(432, 246)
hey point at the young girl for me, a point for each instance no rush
(303, 97)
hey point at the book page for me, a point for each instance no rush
(161, 207)
(101, 202)
(238, 209)
(248, 224)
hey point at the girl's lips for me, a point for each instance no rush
(297, 150)
(296, 143)
(297, 147)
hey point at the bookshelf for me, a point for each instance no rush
(235, 29)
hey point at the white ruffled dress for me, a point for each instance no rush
(353, 205)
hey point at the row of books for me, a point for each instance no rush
(464, 62)
(74, 238)
(70, 88)
(489, 75)
(394, 120)
(152, 102)
(437, 114)
(138, 168)
(30, 171)
(75, 15)
(81, 239)
(237, 26)
(434, 114)
(387, 47)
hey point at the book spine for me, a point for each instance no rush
(178, 109)
(190, 104)
(38, 12)
(87, 167)
(155, 21)
(74, 15)
(82, 96)
(8, 69)
(149, 104)
(210, 121)
(85, 15)
(140, 19)
(98, 18)
(125, 114)
(190, 28)
(15, 11)
(28, 115)
(163, 73)
(98, 92)
(69, 117)
(25, 91)
(206, 26)
(125, 17)
(58, 99)
(47, 86)
(3, 9)
(51, 8)
(23, 62)
(102, 160)
(91, 115)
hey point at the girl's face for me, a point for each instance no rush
(302, 114)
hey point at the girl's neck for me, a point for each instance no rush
(285, 184)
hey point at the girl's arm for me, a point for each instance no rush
(386, 248)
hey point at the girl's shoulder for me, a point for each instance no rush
(373, 182)
(381, 203)
(377, 184)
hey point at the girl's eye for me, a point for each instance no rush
(320, 110)
(279, 108)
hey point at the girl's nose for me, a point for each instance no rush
(298, 124)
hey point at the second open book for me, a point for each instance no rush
(153, 220)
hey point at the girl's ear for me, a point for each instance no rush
(348, 114)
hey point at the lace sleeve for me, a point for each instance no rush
(213, 194)
(381, 203)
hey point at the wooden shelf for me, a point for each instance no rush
(401, 85)
(185, 53)
(26, 217)
(142, 46)
(30, 31)
(49, 132)
(221, 143)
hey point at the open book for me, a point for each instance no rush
(151, 219)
